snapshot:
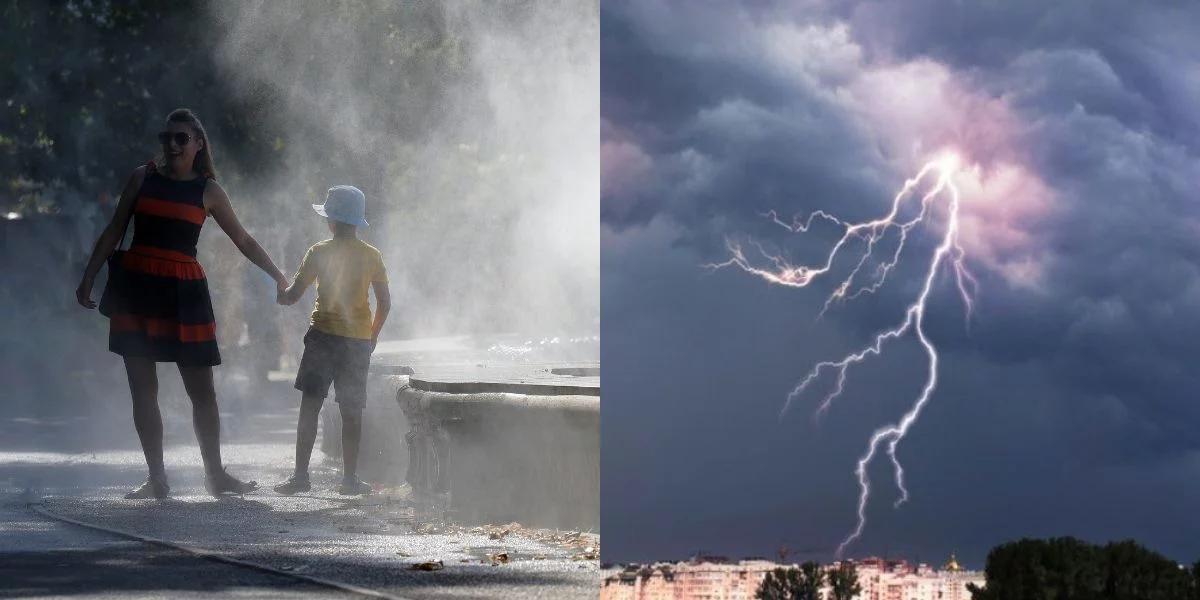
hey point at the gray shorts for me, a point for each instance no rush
(337, 360)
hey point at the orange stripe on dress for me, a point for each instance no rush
(161, 263)
(164, 328)
(162, 253)
(171, 210)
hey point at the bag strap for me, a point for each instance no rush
(125, 228)
(133, 209)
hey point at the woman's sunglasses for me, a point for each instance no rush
(181, 138)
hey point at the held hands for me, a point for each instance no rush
(83, 293)
(281, 288)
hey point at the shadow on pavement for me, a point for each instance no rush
(249, 529)
(129, 568)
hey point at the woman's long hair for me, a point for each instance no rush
(203, 163)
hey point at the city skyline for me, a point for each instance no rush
(717, 577)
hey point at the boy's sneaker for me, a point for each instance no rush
(294, 484)
(354, 487)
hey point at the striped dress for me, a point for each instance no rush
(162, 308)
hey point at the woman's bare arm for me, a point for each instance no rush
(216, 201)
(109, 238)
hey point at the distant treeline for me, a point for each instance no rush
(1069, 569)
(84, 86)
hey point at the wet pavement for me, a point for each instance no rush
(372, 542)
(43, 558)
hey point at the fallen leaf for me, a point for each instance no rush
(433, 565)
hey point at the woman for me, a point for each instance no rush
(158, 301)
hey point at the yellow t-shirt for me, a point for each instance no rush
(344, 269)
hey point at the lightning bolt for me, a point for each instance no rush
(949, 254)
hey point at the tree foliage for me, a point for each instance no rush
(1196, 580)
(85, 85)
(812, 577)
(780, 584)
(793, 584)
(1070, 569)
(843, 582)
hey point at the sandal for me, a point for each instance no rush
(294, 484)
(224, 483)
(354, 487)
(152, 488)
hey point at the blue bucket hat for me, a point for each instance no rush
(345, 204)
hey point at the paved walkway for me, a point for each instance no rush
(375, 542)
(43, 558)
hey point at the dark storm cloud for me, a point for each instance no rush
(1148, 48)
(1075, 380)
(719, 130)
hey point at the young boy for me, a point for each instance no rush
(338, 345)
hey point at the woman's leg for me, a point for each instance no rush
(143, 387)
(206, 420)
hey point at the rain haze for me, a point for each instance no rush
(1066, 401)
(472, 128)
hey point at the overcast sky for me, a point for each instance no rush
(1068, 407)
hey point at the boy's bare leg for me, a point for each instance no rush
(351, 436)
(147, 420)
(306, 436)
(306, 432)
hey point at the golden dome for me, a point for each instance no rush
(952, 564)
